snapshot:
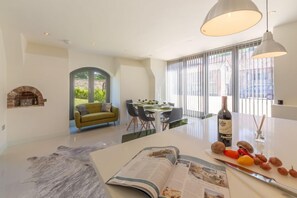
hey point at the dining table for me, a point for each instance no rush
(158, 112)
(195, 139)
(157, 109)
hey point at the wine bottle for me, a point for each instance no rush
(225, 124)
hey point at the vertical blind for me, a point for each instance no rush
(255, 83)
(219, 65)
(197, 82)
(186, 85)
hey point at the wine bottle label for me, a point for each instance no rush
(225, 126)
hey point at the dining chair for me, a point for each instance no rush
(171, 104)
(133, 113)
(129, 101)
(165, 115)
(145, 119)
(149, 113)
(176, 114)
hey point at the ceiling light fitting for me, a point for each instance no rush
(268, 47)
(66, 41)
(229, 17)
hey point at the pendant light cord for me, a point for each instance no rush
(266, 15)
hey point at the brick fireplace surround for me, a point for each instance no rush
(25, 96)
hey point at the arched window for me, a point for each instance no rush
(88, 84)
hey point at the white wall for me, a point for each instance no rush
(78, 59)
(47, 68)
(158, 68)
(14, 57)
(3, 134)
(115, 95)
(134, 84)
(130, 79)
(285, 71)
(152, 83)
(49, 75)
(286, 66)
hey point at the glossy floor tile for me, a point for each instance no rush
(14, 164)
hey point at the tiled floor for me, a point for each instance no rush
(13, 163)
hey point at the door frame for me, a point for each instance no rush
(90, 70)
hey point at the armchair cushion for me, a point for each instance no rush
(82, 109)
(106, 107)
(97, 116)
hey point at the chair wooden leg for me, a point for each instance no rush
(136, 122)
(143, 126)
(166, 124)
(141, 122)
(153, 124)
(129, 124)
(133, 124)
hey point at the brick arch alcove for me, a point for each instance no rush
(25, 96)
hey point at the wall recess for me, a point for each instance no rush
(25, 96)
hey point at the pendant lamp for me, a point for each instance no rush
(268, 47)
(229, 17)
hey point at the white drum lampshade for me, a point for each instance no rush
(229, 17)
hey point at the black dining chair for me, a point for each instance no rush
(175, 115)
(129, 101)
(146, 120)
(133, 113)
(149, 113)
(171, 104)
(165, 115)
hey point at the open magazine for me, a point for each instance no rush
(163, 172)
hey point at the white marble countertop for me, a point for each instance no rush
(195, 138)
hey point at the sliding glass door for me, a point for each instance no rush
(197, 82)
(194, 98)
(186, 85)
(255, 82)
(219, 80)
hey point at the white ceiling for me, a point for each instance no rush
(162, 29)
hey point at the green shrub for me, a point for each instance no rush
(100, 95)
(82, 93)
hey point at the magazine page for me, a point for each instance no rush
(148, 170)
(194, 178)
